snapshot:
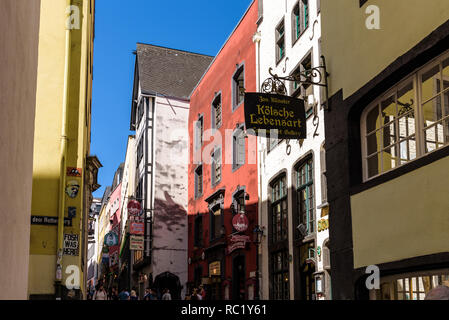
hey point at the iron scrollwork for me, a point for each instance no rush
(314, 76)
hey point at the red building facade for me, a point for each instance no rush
(223, 183)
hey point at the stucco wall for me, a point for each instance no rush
(357, 54)
(403, 218)
(170, 188)
(277, 160)
(19, 22)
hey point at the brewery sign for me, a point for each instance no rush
(134, 208)
(240, 222)
(266, 111)
(237, 242)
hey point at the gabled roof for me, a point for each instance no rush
(169, 72)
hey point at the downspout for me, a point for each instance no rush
(63, 159)
(257, 38)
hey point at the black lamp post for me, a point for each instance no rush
(258, 234)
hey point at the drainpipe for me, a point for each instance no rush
(256, 38)
(63, 159)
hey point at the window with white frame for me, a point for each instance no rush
(238, 86)
(199, 182)
(300, 89)
(216, 166)
(238, 148)
(409, 121)
(216, 112)
(280, 41)
(198, 132)
(300, 19)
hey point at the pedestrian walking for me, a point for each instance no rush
(133, 295)
(202, 292)
(147, 294)
(100, 293)
(166, 295)
(114, 294)
(124, 295)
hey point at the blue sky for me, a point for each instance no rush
(200, 26)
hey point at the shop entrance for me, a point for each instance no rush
(171, 282)
(238, 278)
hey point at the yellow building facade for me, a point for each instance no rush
(63, 173)
(387, 138)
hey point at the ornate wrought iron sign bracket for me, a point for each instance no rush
(317, 76)
(313, 76)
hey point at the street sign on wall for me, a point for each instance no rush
(136, 242)
(275, 112)
(137, 228)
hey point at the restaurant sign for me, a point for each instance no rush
(237, 242)
(265, 112)
(136, 242)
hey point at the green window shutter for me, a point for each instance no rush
(306, 14)
(298, 27)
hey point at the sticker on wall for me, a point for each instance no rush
(72, 212)
(74, 172)
(72, 188)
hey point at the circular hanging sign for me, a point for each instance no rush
(134, 207)
(111, 239)
(240, 222)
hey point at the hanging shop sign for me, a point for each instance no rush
(137, 228)
(134, 208)
(323, 225)
(74, 172)
(72, 188)
(49, 221)
(71, 244)
(111, 239)
(240, 222)
(136, 242)
(214, 268)
(265, 112)
(237, 242)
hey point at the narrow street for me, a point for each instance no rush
(248, 151)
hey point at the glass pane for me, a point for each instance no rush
(446, 73)
(406, 125)
(446, 131)
(429, 85)
(373, 143)
(403, 147)
(406, 99)
(432, 111)
(372, 120)
(412, 148)
(388, 109)
(389, 134)
(434, 137)
(446, 103)
(390, 158)
(373, 165)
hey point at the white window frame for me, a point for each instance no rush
(416, 77)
